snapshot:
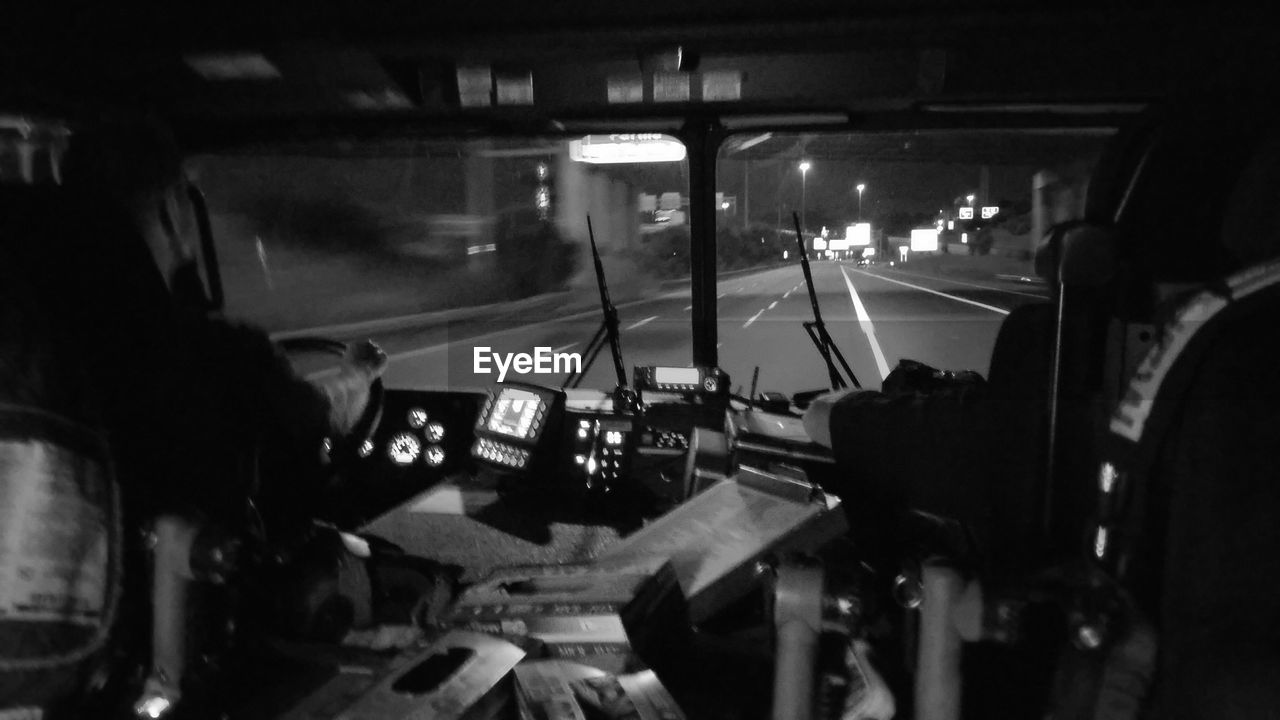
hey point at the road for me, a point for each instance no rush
(876, 317)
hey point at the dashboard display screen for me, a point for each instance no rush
(676, 376)
(514, 412)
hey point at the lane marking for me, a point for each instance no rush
(864, 320)
(970, 284)
(773, 304)
(747, 324)
(645, 321)
(786, 295)
(721, 295)
(564, 347)
(688, 307)
(400, 323)
(428, 349)
(921, 288)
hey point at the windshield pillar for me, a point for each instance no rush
(702, 137)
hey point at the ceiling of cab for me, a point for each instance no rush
(214, 66)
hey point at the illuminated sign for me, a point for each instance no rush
(819, 243)
(990, 211)
(858, 234)
(868, 252)
(924, 240)
(626, 148)
(966, 213)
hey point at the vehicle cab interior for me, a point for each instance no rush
(852, 360)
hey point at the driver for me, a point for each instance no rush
(185, 397)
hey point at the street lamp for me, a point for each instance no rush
(804, 174)
(861, 187)
(970, 199)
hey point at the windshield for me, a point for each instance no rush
(920, 244)
(461, 258)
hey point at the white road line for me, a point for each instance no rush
(773, 304)
(786, 295)
(970, 284)
(427, 350)
(690, 307)
(721, 295)
(747, 324)
(868, 329)
(921, 288)
(398, 322)
(645, 321)
(563, 347)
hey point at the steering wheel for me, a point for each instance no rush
(345, 449)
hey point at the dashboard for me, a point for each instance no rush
(531, 437)
(423, 437)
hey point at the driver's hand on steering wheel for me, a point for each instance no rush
(368, 358)
(348, 389)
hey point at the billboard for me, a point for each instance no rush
(965, 213)
(990, 211)
(924, 240)
(858, 234)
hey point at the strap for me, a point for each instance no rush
(1151, 403)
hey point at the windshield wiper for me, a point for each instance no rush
(608, 327)
(816, 328)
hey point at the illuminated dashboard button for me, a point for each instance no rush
(417, 418)
(709, 384)
(404, 449)
(435, 432)
(435, 455)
